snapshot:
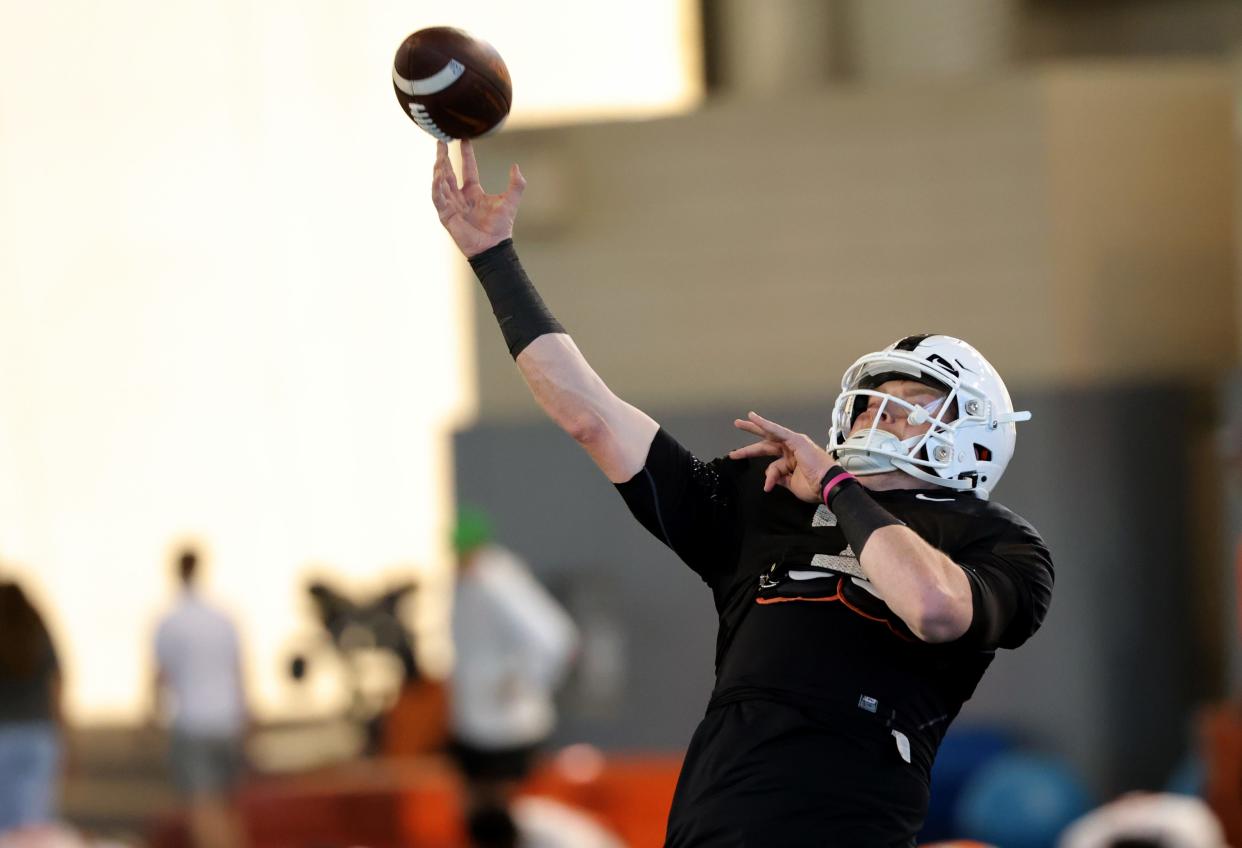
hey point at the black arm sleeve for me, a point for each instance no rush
(1010, 585)
(519, 310)
(688, 504)
(858, 514)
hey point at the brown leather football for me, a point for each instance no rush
(451, 84)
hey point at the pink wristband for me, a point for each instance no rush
(828, 487)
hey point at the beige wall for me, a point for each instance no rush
(1142, 189)
(1075, 224)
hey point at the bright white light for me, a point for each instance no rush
(228, 310)
(576, 61)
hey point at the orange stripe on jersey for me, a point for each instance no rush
(804, 600)
(837, 596)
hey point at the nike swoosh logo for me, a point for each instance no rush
(433, 84)
(938, 500)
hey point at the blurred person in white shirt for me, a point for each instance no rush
(513, 644)
(199, 691)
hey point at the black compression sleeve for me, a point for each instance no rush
(994, 602)
(858, 515)
(518, 308)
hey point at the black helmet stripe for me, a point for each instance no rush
(911, 342)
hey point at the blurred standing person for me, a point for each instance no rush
(199, 685)
(513, 645)
(31, 721)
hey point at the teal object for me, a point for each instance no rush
(1021, 800)
(964, 750)
(1189, 778)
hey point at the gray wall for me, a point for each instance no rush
(1108, 682)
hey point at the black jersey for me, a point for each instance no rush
(827, 711)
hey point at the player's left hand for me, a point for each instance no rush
(800, 463)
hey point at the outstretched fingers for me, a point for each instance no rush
(444, 167)
(770, 429)
(756, 449)
(469, 166)
(748, 427)
(436, 189)
(777, 474)
(441, 173)
(444, 199)
(517, 185)
(445, 193)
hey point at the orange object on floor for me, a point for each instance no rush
(417, 803)
(418, 722)
(1220, 729)
(630, 796)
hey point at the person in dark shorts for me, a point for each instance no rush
(199, 686)
(862, 589)
(513, 644)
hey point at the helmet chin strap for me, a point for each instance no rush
(859, 458)
(927, 477)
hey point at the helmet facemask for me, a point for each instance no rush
(873, 449)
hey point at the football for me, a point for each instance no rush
(451, 84)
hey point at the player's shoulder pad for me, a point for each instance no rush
(963, 515)
(1004, 515)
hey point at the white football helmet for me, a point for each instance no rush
(972, 433)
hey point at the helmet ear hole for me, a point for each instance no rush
(982, 454)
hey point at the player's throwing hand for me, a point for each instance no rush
(475, 219)
(800, 463)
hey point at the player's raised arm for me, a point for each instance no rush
(615, 434)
